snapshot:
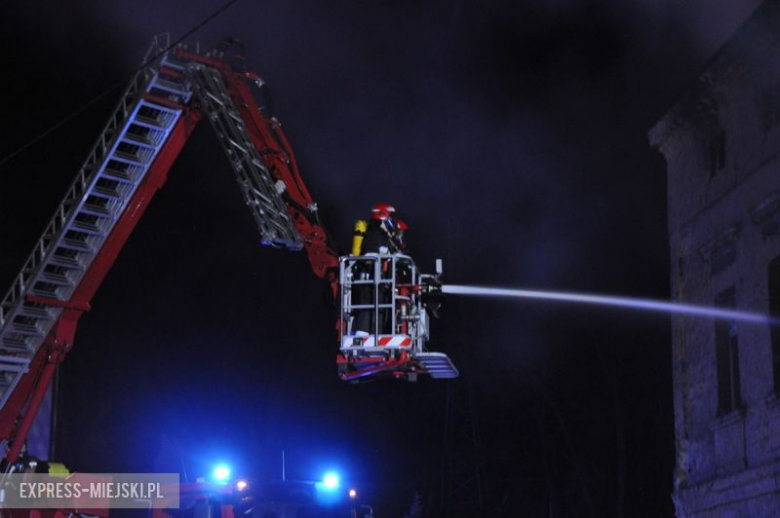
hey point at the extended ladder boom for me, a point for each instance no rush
(128, 164)
(265, 165)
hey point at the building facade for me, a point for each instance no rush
(722, 149)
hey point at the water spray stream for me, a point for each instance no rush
(622, 302)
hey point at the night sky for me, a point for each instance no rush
(511, 137)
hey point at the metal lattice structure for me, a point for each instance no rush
(386, 289)
(261, 194)
(461, 484)
(117, 164)
(171, 92)
(128, 163)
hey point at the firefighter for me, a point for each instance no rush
(403, 273)
(399, 237)
(373, 238)
(378, 236)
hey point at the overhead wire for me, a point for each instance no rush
(114, 86)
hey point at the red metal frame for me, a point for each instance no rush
(17, 415)
(354, 370)
(272, 144)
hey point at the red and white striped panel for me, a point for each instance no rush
(395, 340)
(383, 341)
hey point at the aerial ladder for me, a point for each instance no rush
(169, 95)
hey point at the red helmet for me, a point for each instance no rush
(382, 211)
(402, 226)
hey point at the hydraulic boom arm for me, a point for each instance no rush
(128, 164)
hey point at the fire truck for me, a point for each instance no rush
(174, 89)
(279, 499)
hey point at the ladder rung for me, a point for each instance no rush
(15, 344)
(13, 363)
(129, 158)
(149, 141)
(96, 210)
(121, 176)
(35, 312)
(46, 292)
(169, 85)
(105, 192)
(88, 227)
(26, 329)
(153, 116)
(75, 244)
(148, 122)
(169, 60)
(57, 278)
(139, 140)
(59, 260)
